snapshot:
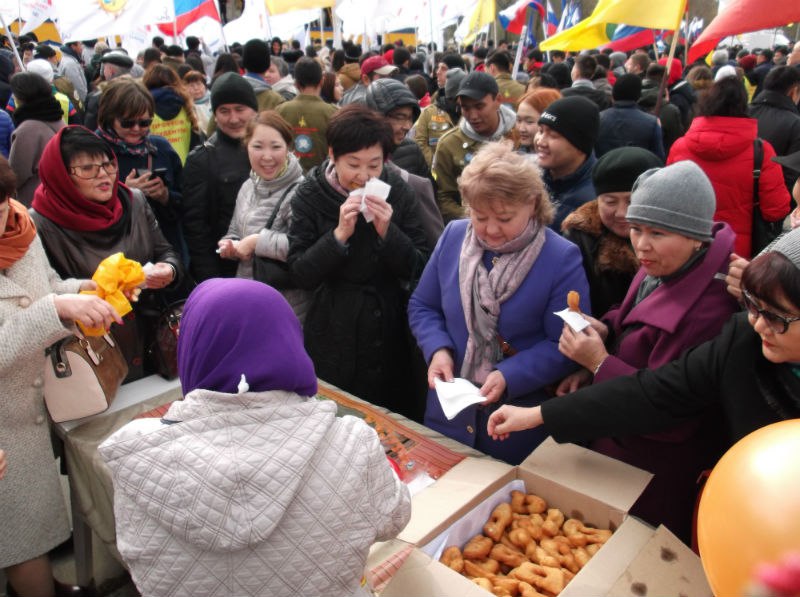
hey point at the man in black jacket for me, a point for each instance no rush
(775, 108)
(213, 174)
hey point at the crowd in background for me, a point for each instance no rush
(424, 213)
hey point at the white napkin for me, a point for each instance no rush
(457, 395)
(375, 187)
(575, 320)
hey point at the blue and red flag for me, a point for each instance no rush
(513, 18)
(189, 11)
(551, 22)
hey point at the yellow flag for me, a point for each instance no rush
(592, 33)
(484, 14)
(276, 7)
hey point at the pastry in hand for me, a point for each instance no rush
(574, 301)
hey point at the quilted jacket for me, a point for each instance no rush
(251, 494)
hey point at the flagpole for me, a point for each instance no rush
(672, 46)
(11, 42)
(518, 57)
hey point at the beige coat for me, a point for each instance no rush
(33, 516)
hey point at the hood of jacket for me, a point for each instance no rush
(168, 102)
(508, 119)
(719, 138)
(258, 82)
(223, 473)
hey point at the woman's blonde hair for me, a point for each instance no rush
(497, 172)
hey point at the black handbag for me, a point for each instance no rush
(272, 271)
(763, 232)
(163, 350)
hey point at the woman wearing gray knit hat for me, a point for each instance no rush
(673, 303)
(749, 374)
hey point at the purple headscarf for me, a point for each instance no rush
(233, 326)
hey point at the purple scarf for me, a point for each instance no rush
(235, 326)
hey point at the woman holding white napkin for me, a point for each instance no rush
(361, 255)
(485, 306)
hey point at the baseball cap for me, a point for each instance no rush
(377, 64)
(478, 85)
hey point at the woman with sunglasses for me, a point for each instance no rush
(83, 215)
(146, 162)
(750, 373)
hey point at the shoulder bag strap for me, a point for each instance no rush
(758, 160)
(274, 215)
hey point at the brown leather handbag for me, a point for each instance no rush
(82, 376)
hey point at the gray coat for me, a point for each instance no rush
(33, 516)
(255, 203)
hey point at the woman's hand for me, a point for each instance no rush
(246, 248)
(585, 348)
(381, 214)
(734, 277)
(161, 275)
(3, 464)
(493, 387)
(227, 248)
(574, 381)
(348, 215)
(88, 285)
(599, 326)
(441, 367)
(508, 419)
(156, 190)
(90, 310)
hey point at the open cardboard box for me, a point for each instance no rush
(636, 560)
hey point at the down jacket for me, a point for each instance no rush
(723, 147)
(251, 494)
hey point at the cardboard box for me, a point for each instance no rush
(584, 485)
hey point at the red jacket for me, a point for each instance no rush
(723, 147)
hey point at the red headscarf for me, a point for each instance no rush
(18, 235)
(57, 198)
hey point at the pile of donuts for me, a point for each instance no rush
(526, 549)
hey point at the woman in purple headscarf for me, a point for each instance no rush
(249, 486)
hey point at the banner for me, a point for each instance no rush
(90, 19)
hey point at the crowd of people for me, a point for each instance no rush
(382, 220)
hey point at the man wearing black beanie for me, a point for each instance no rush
(625, 124)
(255, 60)
(565, 148)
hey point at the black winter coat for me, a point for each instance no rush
(779, 123)
(409, 157)
(729, 371)
(212, 176)
(356, 330)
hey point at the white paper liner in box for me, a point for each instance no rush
(471, 524)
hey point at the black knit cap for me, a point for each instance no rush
(627, 87)
(231, 88)
(575, 118)
(617, 170)
(255, 56)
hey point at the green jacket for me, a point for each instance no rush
(510, 90)
(432, 123)
(453, 152)
(308, 115)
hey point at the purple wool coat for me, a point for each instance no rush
(677, 316)
(527, 322)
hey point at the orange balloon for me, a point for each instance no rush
(750, 509)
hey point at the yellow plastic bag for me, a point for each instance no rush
(115, 275)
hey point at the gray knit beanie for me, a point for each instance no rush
(787, 245)
(678, 198)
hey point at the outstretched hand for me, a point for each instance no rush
(507, 419)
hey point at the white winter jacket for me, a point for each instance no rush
(251, 494)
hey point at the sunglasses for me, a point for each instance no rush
(777, 323)
(129, 123)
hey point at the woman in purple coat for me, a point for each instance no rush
(484, 307)
(674, 303)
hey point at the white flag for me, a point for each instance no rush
(89, 19)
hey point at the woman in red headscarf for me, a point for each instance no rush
(37, 308)
(84, 214)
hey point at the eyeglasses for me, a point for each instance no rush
(129, 123)
(89, 171)
(777, 323)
